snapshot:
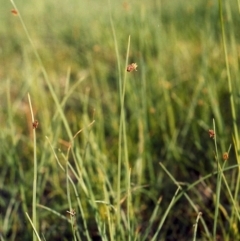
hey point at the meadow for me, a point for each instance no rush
(90, 151)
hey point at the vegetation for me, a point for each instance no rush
(90, 151)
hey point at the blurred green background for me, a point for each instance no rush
(180, 86)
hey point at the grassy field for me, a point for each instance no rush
(90, 151)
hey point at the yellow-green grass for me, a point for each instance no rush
(103, 131)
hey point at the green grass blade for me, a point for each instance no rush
(34, 228)
(35, 168)
(196, 225)
(171, 204)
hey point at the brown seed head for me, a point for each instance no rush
(14, 12)
(72, 212)
(211, 133)
(225, 156)
(132, 67)
(35, 124)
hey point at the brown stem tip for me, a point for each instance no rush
(211, 133)
(131, 67)
(35, 124)
(14, 12)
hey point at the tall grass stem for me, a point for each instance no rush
(34, 194)
(196, 226)
(34, 228)
(46, 78)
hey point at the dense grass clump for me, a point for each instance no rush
(91, 151)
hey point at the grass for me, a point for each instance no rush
(119, 155)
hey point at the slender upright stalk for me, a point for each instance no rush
(218, 183)
(196, 225)
(232, 103)
(34, 228)
(34, 193)
(44, 72)
(122, 125)
(118, 214)
(230, 87)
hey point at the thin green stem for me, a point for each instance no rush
(71, 210)
(118, 214)
(122, 125)
(184, 193)
(34, 228)
(173, 201)
(75, 192)
(196, 225)
(230, 87)
(235, 205)
(129, 198)
(47, 81)
(34, 195)
(152, 219)
(218, 183)
(232, 104)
